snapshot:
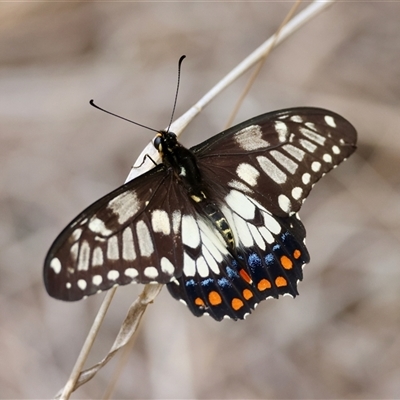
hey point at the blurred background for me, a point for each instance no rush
(340, 337)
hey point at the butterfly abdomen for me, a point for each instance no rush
(220, 222)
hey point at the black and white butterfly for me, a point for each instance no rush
(217, 223)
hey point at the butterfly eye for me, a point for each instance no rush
(157, 142)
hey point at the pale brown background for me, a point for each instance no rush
(340, 337)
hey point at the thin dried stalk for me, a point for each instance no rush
(136, 310)
(260, 64)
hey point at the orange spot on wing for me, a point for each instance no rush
(199, 302)
(297, 254)
(286, 262)
(237, 304)
(263, 284)
(280, 281)
(245, 276)
(214, 298)
(247, 294)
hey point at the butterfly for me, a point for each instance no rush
(217, 223)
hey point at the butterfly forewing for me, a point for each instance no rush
(232, 241)
(277, 157)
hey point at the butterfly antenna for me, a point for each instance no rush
(118, 116)
(177, 90)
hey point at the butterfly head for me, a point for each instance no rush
(165, 142)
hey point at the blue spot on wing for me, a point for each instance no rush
(223, 282)
(190, 282)
(207, 282)
(269, 259)
(254, 261)
(231, 273)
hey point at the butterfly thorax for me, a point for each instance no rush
(183, 162)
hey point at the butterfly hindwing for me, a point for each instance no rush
(267, 262)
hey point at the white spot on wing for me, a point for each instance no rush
(271, 223)
(310, 125)
(166, 266)
(257, 236)
(313, 136)
(297, 193)
(96, 225)
(113, 275)
(97, 257)
(210, 260)
(84, 256)
(160, 222)
(97, 280)
(286, 162)
(239, 203)
(76, 234)
(296, 118)
(201, 267)
(190, 232)
(277, 175)
(176, 221)
(306, 178)
(74, 251)
(335, 149)
(284, 203)
(189, 266)
(282, 130)
(330, 121)
(183, 171)
(295, 152)
(131, 272)
(250, 138)
(244, 234)
(310, 147)
(211, 246)
(125, 206)
(247, 173)
(267, 235)
(146, 247)
(81, 284)
(128, 247)
(150, 272)
(316, 166)
(327, 158)
(55, 264)
(234, 184)
(112, 248)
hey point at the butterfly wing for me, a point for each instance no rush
(130, 235)
(226, 284)
(277, 157)
(259, 173)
